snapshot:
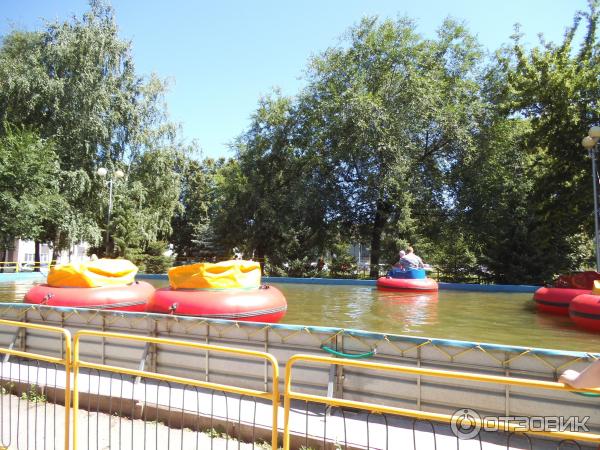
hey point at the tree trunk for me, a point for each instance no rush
(37, 263)
(378, 224)
(259, 254)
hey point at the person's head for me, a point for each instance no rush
(402, 253)
(409, 250)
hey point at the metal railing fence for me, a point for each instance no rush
(165, 396)
(346, 406)
(136, 408)
(24, 266)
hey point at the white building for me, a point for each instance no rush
(23, 254)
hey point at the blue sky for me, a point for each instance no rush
(221, 56)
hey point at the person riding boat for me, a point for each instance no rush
(400, 264)
(410, 260)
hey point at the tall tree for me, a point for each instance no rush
(392, 110)
(194, 223)
(146, 200)
(274, 205)
(493, 209)
(556, 88)
(75, 82)
(29, 184)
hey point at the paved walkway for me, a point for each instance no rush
(37, 425)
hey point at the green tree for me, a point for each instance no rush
(390, 113)
(493, 210)
(30, 182)
(554, 87)
(194, 223)
(146, 200)
(272, 201)
(75, 83)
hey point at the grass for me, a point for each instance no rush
(33, 395)
(7, 388)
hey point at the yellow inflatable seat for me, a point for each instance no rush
(222, 275)
(596, 288)
(99, 273)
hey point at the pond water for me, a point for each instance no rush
(499, 318)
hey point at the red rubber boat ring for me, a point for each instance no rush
(132, 297)
(407, 284)
(264, 304)
(556, 300)
(585, 311)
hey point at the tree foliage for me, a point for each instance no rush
(553, 88)
(29, 184)
(395, 140)
(193, 224)
(74, 83)
(368, 142)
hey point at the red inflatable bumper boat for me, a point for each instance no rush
(585, 311)
(556, 300)
(263, 304)
(413, 280)
(131, 297)
(225, 290)
(99, 284)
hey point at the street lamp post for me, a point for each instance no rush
(117, 174)
(590, 142)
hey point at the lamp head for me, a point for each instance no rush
(594, 132)
(102, 171)
(119, 174)
(588, 142)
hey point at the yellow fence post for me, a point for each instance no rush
(66, 362)
(275, 406)
(68, 354)
(75, 389)
(286, 405)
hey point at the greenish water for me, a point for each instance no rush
(473, 316)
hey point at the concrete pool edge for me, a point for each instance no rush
(355, 282)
